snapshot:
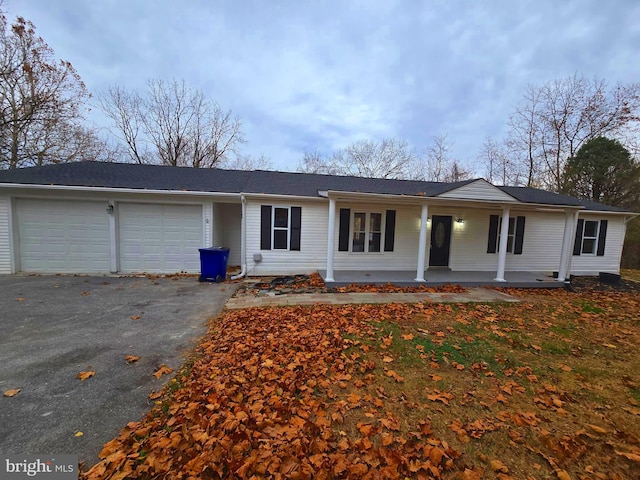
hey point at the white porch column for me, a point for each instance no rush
(572, 236)
(502, 253)
(331, 229)
(566, 245)
(422, 245)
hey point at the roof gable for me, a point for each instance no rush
(479, 189)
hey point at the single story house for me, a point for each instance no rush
(91, 217)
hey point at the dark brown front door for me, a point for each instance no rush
(440, 241)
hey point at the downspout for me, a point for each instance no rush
(243, 240)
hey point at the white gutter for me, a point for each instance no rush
(243, 240)
(76, 188)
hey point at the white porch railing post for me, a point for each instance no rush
(422, 245)
(566, 245)
(502, 254)
(331, 232)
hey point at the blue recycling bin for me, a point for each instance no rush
(213, 264)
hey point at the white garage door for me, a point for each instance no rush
(160, 238)
(63, 236)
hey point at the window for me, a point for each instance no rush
(280, 228)
(515, 234)
(511, 236)
(367, 232)
(590, 237)
(363, 232)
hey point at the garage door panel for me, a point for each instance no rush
(160, 238)
(58, 236)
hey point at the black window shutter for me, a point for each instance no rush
(265, 227)
(390, 231)
(296, 227)
(577, 244)
(517, 248)
(493, 234)
(343, 230)
(602, 237)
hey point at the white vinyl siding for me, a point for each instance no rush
(313, 240)
(227, 230)
(479, 190)
(610, 261)
(160, 238)
(405, 248)
(5, 236)
(60, 236)
(542, 242)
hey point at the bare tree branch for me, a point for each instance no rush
(173, 124)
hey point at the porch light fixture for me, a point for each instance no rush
(110, 209)
(460, 220)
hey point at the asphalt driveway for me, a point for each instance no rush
(53, 327)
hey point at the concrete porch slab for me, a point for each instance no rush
(434, 278)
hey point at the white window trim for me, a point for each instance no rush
(511, 237)
(367, 230)
(274, 228)
(595, 239)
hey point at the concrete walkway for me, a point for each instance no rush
(480, 295)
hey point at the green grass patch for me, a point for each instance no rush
(589, 307)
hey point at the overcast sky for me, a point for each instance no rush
(322, 74)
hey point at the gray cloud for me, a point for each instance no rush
(323, 74)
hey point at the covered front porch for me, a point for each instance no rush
(434, 278)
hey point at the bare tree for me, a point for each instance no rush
(387, 158)
(173, 124)
(125, 111)
(437, 164)
(499, 167)
(41, 103)
(247, 162)
(313, 162)
(556, 119)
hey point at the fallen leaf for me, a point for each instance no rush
(387, 359)
(563, 475)
(155, 395)
(163, 370)
(498, 466)
(391, 373)
(85, 294)
(630, 456)
(408, 336)
(21, 299)
(596, 428)
(79, 434)
(135, 317)
(84, 375)
(131, 358)
(12, 392)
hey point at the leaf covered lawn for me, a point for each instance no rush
(547, 388)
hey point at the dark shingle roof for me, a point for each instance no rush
(535, 195)
(157, 177)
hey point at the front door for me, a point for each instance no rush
(440, 241)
